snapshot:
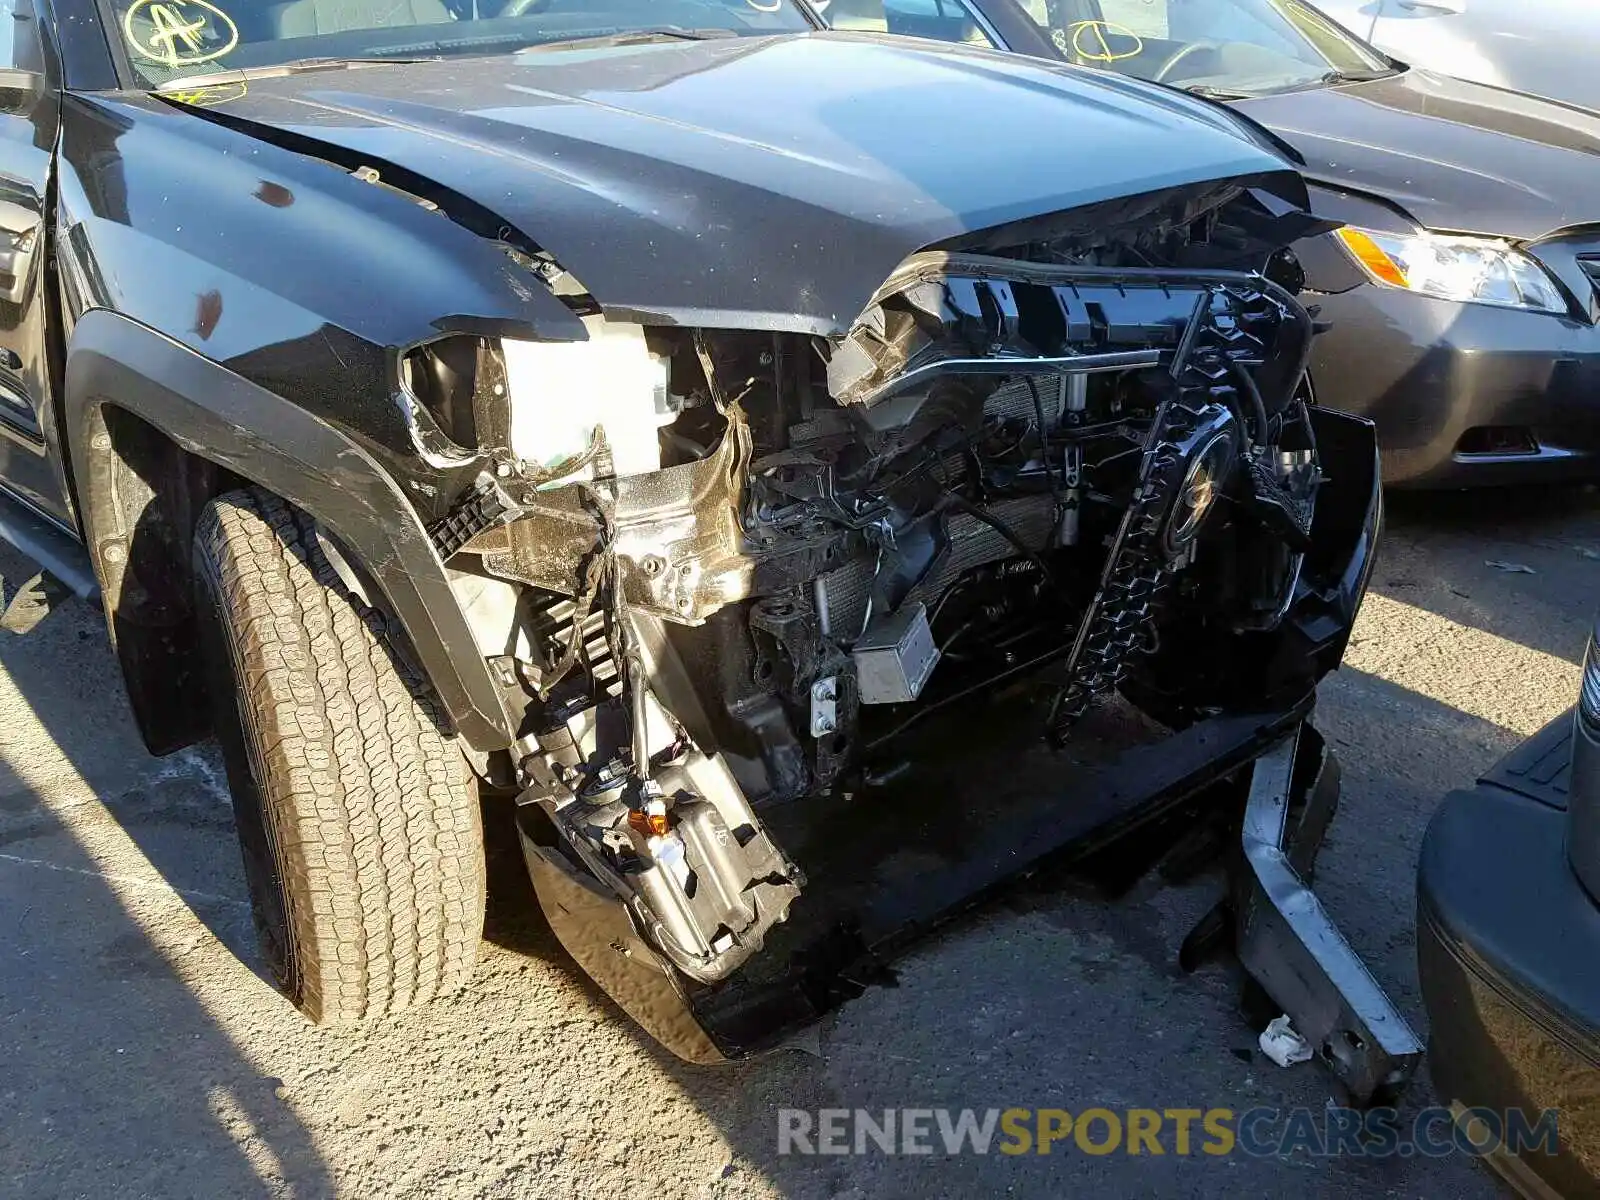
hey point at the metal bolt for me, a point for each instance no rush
(502, 469)
(822, 690)
(499, 389)
(113, 552)
(824, 725)
(101, 441)
(652, 565)
(685, 603)
(766, 358)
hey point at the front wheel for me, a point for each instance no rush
(358, 819)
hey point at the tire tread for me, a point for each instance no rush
(369, 805)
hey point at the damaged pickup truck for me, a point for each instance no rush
(739, 446)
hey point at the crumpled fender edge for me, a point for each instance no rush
(225, 419)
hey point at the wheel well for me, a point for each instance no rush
(149, 492)
(152, 425)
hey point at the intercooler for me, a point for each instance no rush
(841, 596)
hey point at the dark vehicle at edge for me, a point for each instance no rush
(1508, 949)
(634, 428)
(1450, 190)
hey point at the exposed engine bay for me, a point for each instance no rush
(725, 575)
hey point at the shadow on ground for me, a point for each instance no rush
(1438, 547)
(116, 1079)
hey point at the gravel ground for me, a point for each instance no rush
(140, 1055)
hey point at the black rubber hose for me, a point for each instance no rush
(1044, 444)
(1005, 531)
(1258, 406)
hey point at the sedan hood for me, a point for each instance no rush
(752, 182)
(1458, 156)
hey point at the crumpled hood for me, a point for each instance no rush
(1457, 156)
(757, 182)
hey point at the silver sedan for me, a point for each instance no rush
(1545, 48)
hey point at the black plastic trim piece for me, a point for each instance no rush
(1540, 768)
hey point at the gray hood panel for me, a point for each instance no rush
(758, 182)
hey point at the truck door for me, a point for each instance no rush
(30, 463)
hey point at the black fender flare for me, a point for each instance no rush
(216, 415)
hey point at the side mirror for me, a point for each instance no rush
(19, 89)
(22, 85)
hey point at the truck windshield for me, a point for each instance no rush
(1224, 47)
(162, 41)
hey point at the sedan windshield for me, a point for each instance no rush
(162, 41)
(1218, 47)
(1226, 47)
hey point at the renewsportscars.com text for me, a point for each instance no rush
(1215, 1132)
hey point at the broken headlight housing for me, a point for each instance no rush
(1471, 270)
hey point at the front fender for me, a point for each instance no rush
(309, 280)
(224, 420)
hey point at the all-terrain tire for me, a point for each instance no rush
(359, 821)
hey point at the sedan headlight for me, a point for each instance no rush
(1468, 269)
